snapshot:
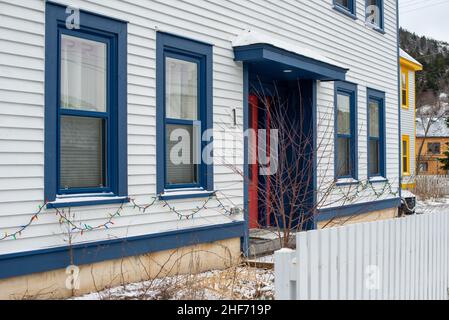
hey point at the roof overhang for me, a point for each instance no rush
(282, 63)
(411, 65)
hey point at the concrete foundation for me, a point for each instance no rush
(368, 217)
(96, 277)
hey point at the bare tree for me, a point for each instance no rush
(432, 110)
(291, 201)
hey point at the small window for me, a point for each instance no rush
(424, 167)
(345, 109)
(184, 73)
(346, 6)
(374, 13)
(86, 115)
(404, 89)
(434, 148)
(406, 155)
(376, 136)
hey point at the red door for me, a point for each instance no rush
(253, 166)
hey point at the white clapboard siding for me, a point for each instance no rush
(309, 23)
(401, 259)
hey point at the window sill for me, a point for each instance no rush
(374, 180)
(185, 194)
(85, 201)
(345, 12)
(375, 28)
(347, 182)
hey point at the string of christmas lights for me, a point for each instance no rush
(82, 227)
(363, 186)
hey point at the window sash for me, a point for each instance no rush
(376, 15)
(344, 169)
(404, 89)
(197, 147)
(375, 169)
(350, 136)
(105, 116)
(349, 7)
(405, 156)
(379, 139)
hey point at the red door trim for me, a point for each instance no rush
(254, 168)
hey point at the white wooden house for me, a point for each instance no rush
(90, 90)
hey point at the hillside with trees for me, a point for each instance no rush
(432, 82)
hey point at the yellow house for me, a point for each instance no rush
(434, 144)
(409, 67)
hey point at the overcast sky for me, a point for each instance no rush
(426, 17)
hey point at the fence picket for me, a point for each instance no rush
(351, 262)
(324, 265)
(359, 262)
(303, 262)
(313, 240)
(333, 256)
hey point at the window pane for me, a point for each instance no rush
(434, 148)
(344, 114)
(404, 89)
(343, 3)
(374, 156)
(82, 153)
(343, 158)
(180, 165)
(404, 156)
(374, 120)
(83, 74)
(405, 164)
(373, 12)
(181, 89)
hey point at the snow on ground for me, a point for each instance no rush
(242, 283)
(432, 206)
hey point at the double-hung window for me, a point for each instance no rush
(345, 130)
(346, 6)
(86, 146)
(374, 13)
(406, 155)
(376, 133)
(184, 113)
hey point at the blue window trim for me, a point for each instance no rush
(190, 50)
(114, 33)
(379, 97)
(380, 28)
(350, 11)
(350, 89)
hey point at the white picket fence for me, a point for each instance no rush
(400, 259)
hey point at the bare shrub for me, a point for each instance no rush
(432, 187)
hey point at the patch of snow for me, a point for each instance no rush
(407, 194)
(241, 283)
(250, 37)
(408, 57)
(438, 128)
